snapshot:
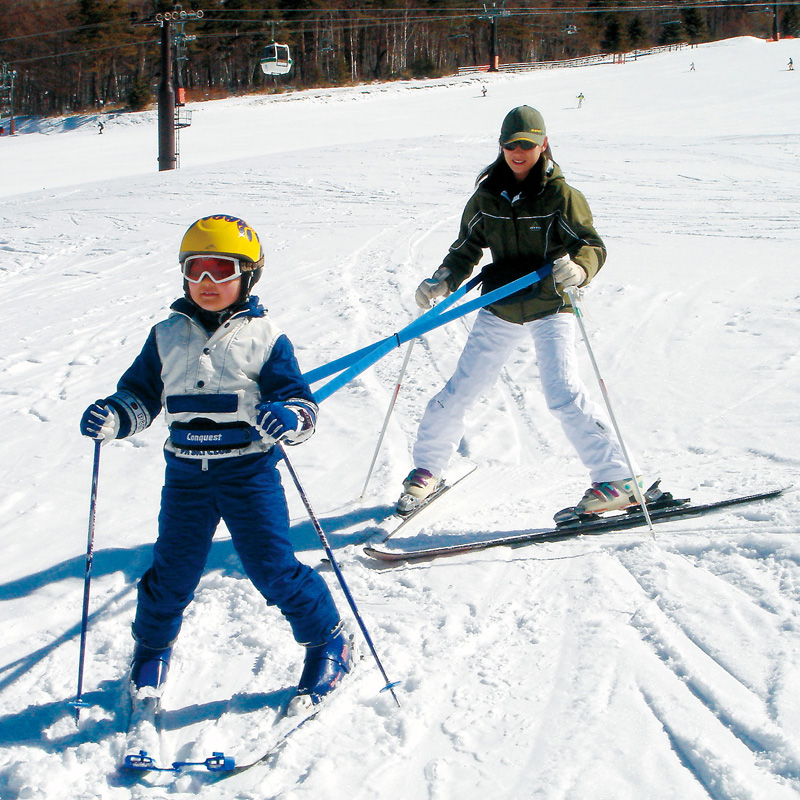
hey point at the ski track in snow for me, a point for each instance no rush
(629, 666)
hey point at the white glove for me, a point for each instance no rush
(567, 273)
(433, 287)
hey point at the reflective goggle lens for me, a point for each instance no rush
(219, 268)
(525, 145)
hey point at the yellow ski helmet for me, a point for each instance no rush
(224, 235)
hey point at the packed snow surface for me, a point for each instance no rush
(628, 666)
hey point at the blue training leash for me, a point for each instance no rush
(351, 366)
(332, 367)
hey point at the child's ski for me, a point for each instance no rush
(293, 716)
(293, 724)
(143, 738)
(145, 761)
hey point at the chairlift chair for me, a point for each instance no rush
(276, 59)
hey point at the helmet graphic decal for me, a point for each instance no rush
(244, 229)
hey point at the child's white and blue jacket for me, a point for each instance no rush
(208, 382)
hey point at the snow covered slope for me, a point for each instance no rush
(628, 666)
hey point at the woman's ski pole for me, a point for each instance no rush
(388, 415)
(433, 312)
(574, 297)
(79, 702)
(329, 552)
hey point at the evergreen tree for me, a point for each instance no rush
(140, 95)
(613, 36)
(95, 20)
(637, 35)
(671, 32)
(790, 22)
(694, 25)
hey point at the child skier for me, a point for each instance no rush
(527, 215)
(230, 387)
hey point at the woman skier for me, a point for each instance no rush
(527, 215)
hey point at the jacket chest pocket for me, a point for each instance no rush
(534, 236)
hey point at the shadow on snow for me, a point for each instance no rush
(132, 562)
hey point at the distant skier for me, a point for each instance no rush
(580, 99)
(691, 67)
(484, 90)
(791, 65)
(527, 215)
(100, 126)
(230, 387)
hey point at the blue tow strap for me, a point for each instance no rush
(332, 367)
(352, 365)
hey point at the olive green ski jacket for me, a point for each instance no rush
(525, 226)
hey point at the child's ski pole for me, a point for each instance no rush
(574, 297)
(79, 702)
(329, 552)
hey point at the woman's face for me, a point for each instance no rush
(520, 161)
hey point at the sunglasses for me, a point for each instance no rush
(219, 269)
(525, 145)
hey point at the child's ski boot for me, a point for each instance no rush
(325, 666)
(149, 666)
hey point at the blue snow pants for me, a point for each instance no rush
(246, 493)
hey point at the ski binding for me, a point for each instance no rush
(654, 499)
(218, 762)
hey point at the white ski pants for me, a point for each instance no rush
(488, 347)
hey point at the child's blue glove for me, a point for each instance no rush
(276, 421)
(100, 422)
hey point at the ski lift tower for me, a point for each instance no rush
(168, 120)
(492, 14)
(7, 79)
(183, 118)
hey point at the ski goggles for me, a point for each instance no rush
(523, 143)
(219, 269)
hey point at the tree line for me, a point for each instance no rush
(77, 55)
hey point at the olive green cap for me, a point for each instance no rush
(523, 124)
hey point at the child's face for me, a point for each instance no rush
(212, 296)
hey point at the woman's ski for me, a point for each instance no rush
(634, 518)
(405, 519)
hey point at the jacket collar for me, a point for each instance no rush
(501, 181)
(211, 320)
